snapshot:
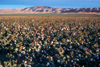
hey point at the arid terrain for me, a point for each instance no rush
(47, 9)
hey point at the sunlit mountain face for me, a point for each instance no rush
(48, 9)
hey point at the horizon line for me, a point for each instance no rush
(23, 6)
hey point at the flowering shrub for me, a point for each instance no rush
(49, 41)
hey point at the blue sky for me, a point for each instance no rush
(53, 3)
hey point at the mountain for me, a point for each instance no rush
(47, 9)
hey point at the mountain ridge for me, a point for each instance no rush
(48, 9)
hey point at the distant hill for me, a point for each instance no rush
(47, 9)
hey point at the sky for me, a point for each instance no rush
(53, 3)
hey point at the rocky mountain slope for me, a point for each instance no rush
(47, 9)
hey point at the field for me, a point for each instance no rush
(50, 40)
(48, 14)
